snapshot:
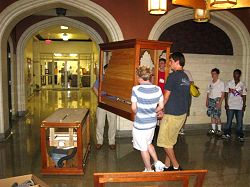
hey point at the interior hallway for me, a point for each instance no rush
(228, 162)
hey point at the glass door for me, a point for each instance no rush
(72, 73)
(60, 74)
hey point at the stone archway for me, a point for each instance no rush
(32, 30)
(230, 24)
(15, 12)
(13, 76)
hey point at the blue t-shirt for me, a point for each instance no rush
(96, 85)
(146, 97)
(179, 86)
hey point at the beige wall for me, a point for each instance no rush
(65, 47)
(200, 67)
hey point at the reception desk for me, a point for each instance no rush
(65, 142)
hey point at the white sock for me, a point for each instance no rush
(213, 126)
(219, 127)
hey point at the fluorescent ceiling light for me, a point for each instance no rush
(65, 37)
(57, 54)
(73, 55)
(64, 27)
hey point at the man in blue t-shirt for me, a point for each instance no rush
(101, 115)
(176, 100)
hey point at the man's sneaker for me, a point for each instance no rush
(218, 133)
(181, 132)
(171, 168)
(178, 169)
(146, 170)
(211, 132)
(159, 166)
(241, 139)
(226, 136)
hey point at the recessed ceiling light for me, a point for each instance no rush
(64, 27)
(57, 54)
(73, 55)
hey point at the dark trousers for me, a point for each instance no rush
(239, 120)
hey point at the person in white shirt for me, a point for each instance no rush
(235, 104)
(215, 96)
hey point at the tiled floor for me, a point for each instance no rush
(228, 163)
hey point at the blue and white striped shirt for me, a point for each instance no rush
(146, 97)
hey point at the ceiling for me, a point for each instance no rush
(56, 32)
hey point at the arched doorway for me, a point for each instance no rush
(235, 30)
(32, 30)
(21, 9)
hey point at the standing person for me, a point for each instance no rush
(215, 96)
(176, 100)
(161, 73)
(235, 104)
(55, 74)
(145, 98)
(101, 118)
(161, 83)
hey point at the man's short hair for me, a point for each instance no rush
(237, 71)
(144, 72)
(162, 60)
(216, 70)
(178, 56)
(105, 67)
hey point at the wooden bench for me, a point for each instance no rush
(101, 179)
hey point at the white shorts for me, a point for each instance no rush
(142, 138)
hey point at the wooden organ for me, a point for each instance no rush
(123, 57)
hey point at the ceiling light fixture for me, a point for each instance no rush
(157, 7)
(64, 27)
(57, 54)
(73, 55)
(65, 37)
(223, 3)
(201, 15)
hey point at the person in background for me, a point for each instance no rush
(215, 96)
(145, 98)
(161, 73)
(176, 100)
(161, 83)
(101, 118)
(55, 74)
(235, 104)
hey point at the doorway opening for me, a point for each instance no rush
(65, 71)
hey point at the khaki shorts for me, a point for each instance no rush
(169, 129)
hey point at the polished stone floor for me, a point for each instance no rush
(228, 163)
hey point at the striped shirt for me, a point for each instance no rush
(146, 97)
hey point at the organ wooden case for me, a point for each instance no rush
(123, 57)
(65, 142)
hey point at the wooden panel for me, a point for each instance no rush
(75, 165)
(118, 80)
(100, 179)
(67, 115)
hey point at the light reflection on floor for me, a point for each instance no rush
(228, 162)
